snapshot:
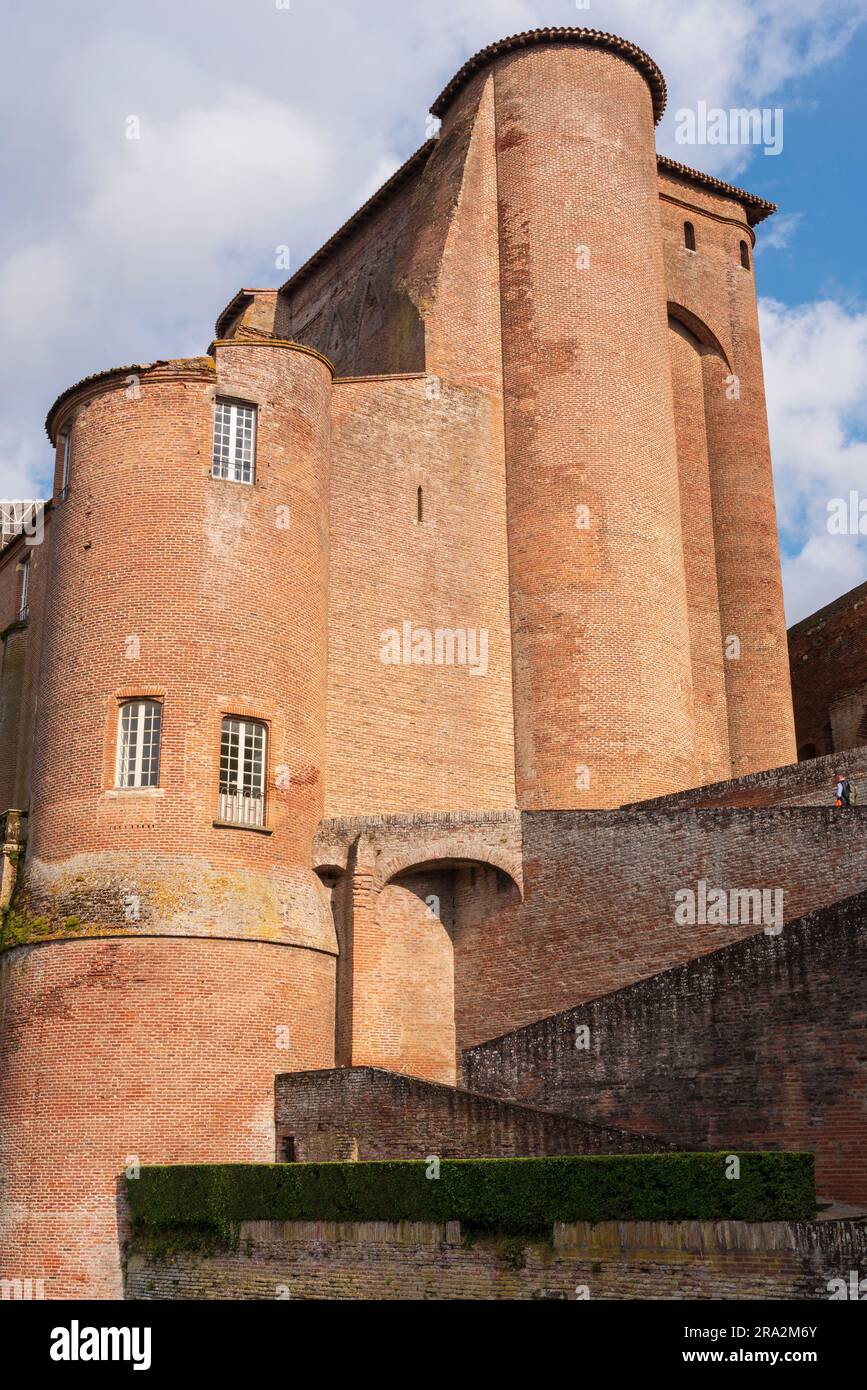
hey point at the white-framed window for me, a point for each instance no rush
(66, 456)
(234, 441)
(138, 743)
(243, 746)
(24, 604)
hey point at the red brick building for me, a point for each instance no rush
(451, 546)
(828, 654)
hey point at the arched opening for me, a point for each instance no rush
(807, 750)
(689, 236)
(419, 507)
(413, 984)
(745, 255)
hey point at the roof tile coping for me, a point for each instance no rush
(203, 364)
(757, 209)
(585, 38)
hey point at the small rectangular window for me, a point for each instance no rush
(242, 772)
(66, 446)
(24, 605)
(234, 442)
(138, 744)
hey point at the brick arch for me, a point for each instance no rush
(407, 948)
(490, 859)
(493, 839)
(704, 339)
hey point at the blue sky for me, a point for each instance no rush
(266, 124)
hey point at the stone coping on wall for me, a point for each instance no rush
(809, 783)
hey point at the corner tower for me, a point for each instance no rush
(174, 949)
(601, 669)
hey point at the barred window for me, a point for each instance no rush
(242, 772)
(138, 743)
(234, 441)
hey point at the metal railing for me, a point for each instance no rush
(241, 808)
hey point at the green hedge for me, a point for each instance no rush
(510, 1196)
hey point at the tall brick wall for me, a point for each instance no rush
(491, 385)
(760, 1043)
(368, 1113)
(711, 288)
(419, 1260)
(20, 655)
(828, 655)
(417, 735)
(599, 901)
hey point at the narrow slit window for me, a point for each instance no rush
(242, 772)
(689, 236)
(419, 507)
(745, 255)
(66, 454)
(138, 743)
(234, 442)
(24, 604)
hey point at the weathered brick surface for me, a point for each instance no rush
(612, 1260)
(828, 655)
(160, 1049)
(762, 1042)
(711, 291)
(552, 908)
(367, 1113)
(809, 783)
(713, 758)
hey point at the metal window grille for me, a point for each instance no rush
(242, 772)
(234, 441)
(138, 744)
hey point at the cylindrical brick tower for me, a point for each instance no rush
(752, 614)
(601, 652)
(177, 949)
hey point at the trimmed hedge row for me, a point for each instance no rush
(510, 1196)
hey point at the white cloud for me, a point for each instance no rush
(816, 374)
(263, 127)
(779, 231)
